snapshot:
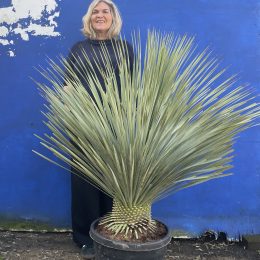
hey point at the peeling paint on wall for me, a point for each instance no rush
(27, 18)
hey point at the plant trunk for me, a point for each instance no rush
(131, 222)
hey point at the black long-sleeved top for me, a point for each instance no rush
(88, 203)
(93, 49)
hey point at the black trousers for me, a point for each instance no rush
(87, 204)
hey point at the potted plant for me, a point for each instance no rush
(172, 126)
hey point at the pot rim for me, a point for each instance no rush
(129, 246)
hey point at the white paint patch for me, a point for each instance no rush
(24, 35)
(28, 18)
(52, 17)
(37, 29)
(11, 53)
(4, 42)
(3, 31)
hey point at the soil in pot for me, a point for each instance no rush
(148, 236)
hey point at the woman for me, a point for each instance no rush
(101, 25)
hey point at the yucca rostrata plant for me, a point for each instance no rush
(172, 126)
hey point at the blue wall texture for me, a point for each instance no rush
(33, 189)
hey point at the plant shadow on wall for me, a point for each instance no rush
(172, 126)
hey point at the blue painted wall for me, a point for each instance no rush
(33, 189)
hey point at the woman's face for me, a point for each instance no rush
(101, 20)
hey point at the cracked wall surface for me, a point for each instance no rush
(21, 20)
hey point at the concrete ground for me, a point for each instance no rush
(33, 246)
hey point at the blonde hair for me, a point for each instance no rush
(115, 28)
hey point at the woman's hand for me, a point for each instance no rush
(68, 89)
